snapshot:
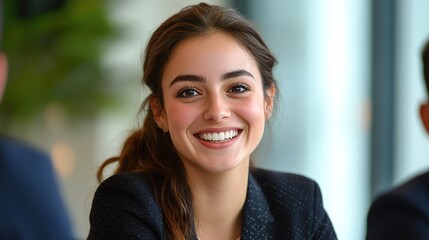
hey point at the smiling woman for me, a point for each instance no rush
(186, 174)
(213, 84)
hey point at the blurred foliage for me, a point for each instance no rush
(54, 54)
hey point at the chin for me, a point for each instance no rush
(222, 167)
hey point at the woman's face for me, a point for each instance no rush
(214, 104)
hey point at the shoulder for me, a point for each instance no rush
(127, 182)
(288, 190)
(16, 147)
(291, 200)
(14, 152)
(279, 183)
(411, 194)
(277, 176)
(27, 173)
(19, 159)
(402, 211)
(124, 205)
(125, 190)
(414, 189)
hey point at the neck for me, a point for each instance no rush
(218, 200)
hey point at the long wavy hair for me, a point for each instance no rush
(149, 149)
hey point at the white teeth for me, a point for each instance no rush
(215, 137)
(222, 135)
(218, 137)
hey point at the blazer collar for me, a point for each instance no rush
(256, 215)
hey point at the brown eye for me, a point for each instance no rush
(188, 92)
(239, 88)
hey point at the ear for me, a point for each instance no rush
(269, 101)
(159, 114)
(3, 74)
(424, 115)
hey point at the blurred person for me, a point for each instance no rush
(31, 206)
(403, 212)
(186, 173)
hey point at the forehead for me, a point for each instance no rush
(209, 39)
(212, 53)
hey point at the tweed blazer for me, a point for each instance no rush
(278, 206)
(401, 213)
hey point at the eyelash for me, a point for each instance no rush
(185, 92)
(244, 88)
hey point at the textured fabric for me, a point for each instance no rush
(31, 206)
(278, 206)
(402, 213)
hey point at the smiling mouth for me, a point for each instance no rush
(218, 137)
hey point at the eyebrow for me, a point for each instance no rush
(237, 73)
(188, 77)
(198, 78)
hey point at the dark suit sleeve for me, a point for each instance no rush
(31, 204)
(394, 217)
(323, 228)
(124, 208)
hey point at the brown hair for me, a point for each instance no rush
(149, 149)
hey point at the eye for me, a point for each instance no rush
(187, 92)
(239, 88)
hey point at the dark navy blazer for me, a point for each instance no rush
(278, 206)
(402, 213)
(31, 206)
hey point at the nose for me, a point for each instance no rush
(217, 108)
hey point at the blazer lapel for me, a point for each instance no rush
(256, 213)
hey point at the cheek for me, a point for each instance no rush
(180, 117)
(252, 110)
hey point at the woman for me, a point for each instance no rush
(186, 174)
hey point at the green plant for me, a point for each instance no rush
(54, 57)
